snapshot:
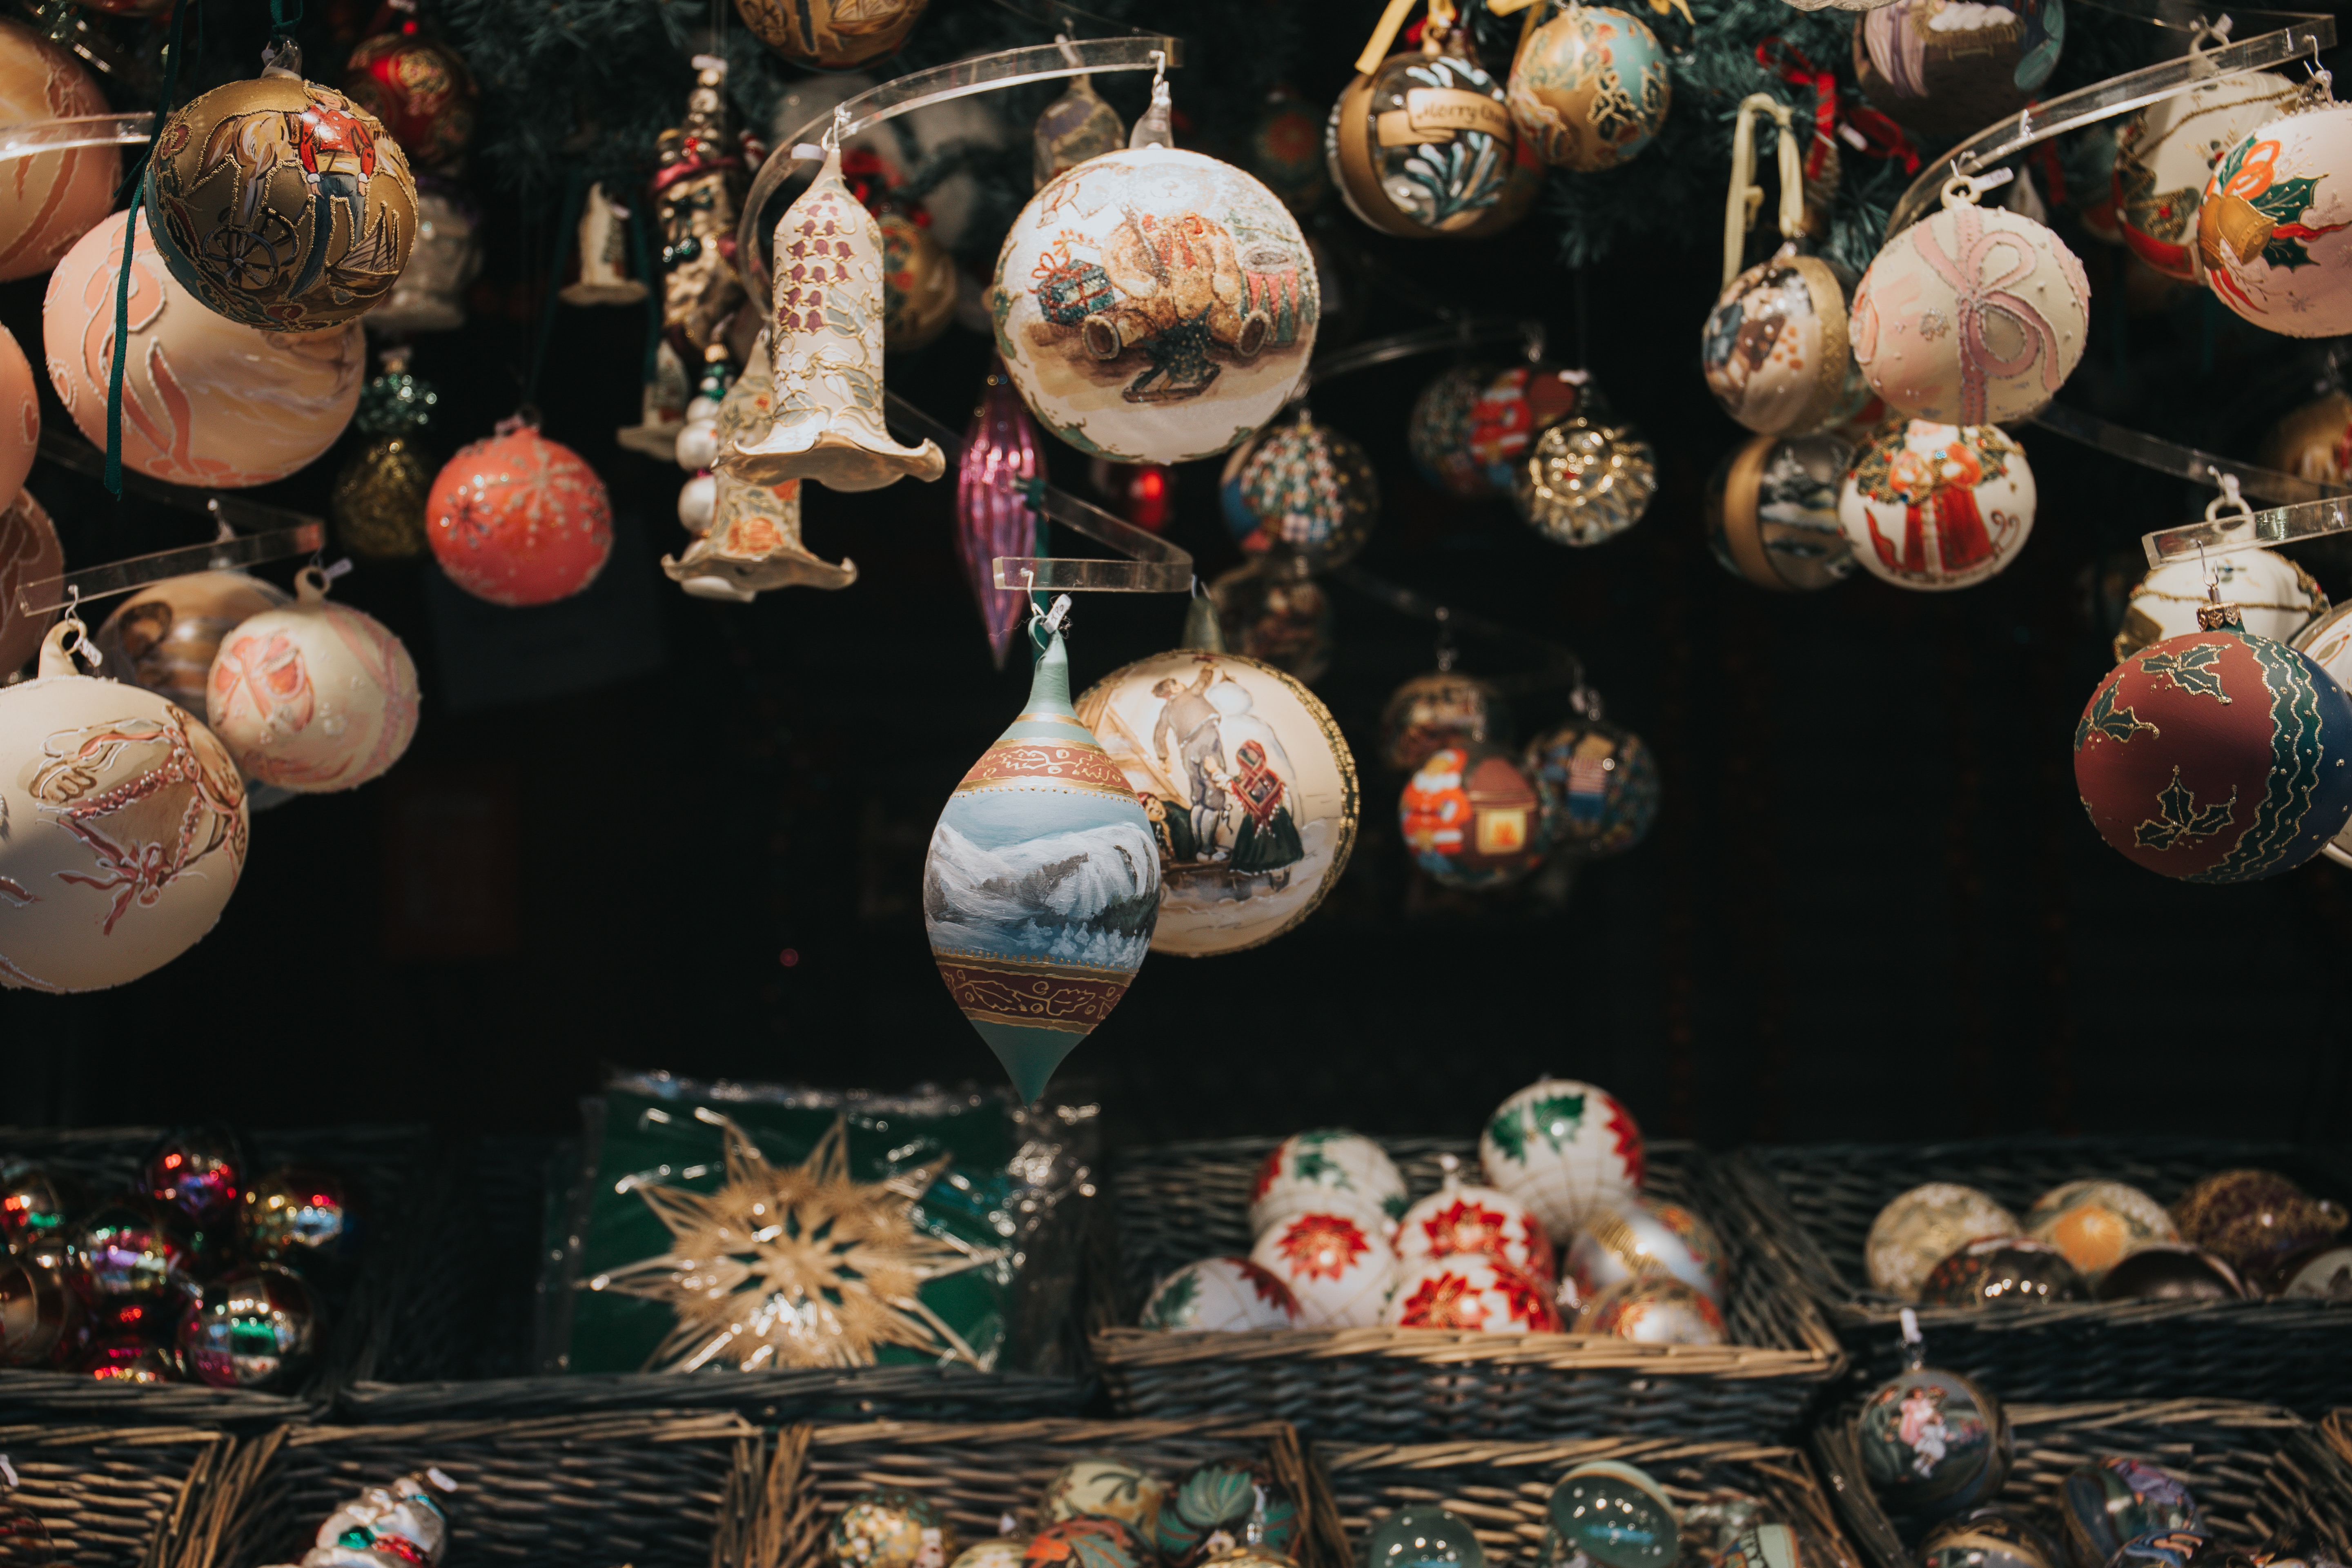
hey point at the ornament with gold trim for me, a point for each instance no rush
(2166, 152)
(418, 88)
(50, 199)
(1772, 512)
(1774, 350)
(162, 638)
(1589, 86)
(1076, 126)
(1036, 961)
(1585, 481)
(2275, 597)
(1471, 817)
(832, 35)
(2274, 226)
(378, 503)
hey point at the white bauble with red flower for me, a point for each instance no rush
(1458, 1219)
(1648, 1237)
(313, 696)
(1337, 1269)
(1565, 1148)
(2275, 227)
(1231, 1295)
(1937, 506)
(1470, 1290)
(1332, 1171)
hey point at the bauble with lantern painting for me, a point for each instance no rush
(1937, 507)
(1154, 305)
(1652, 1309)
(1589, 87)
(2274, 226)
(1772, 512)
(1933, 1443)
(1301, 492)
(1442, 708)
(1921, 1227)
(2165, 154)
(1566, 1148)
(1648, 1238)
(1774, 348)
(2097, 1223)
(1999, 1272)
(1460, 1218)
(1946, 69)
(1437, 431)
(2214, 757)
(418, 89)
(1471, 817)
(2275, 597)
(281, 204)
(1337, 1267)
(30, 554)
(832, 35)
(1600, 787)
(2117, 1498)
(2255, 1218)
(1229, 1295)
(519, 519)
(891, 1527)
(1423, 146)
(1611, 1513)
(1474, 1291)
(50, 199)
(127, 829)
(1329, 1170)
(313, 696)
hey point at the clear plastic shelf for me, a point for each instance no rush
(2256, 530)
(2182, 462)
(85, 130)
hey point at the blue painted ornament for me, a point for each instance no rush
(1615, 1515)
(1933, 1443)
(1423, 1536)
(1599, 788)
(1303, 493)
(2111, 1501)
(1042, 885)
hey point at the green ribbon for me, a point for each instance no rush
(138, 183)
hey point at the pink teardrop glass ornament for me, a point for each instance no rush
(1000, 457)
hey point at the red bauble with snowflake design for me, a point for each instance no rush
(519, 519)
(1471, 1290)
(1336, 1267)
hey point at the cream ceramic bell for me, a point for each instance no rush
(313, 696)
(824, 336)
(125, 827)
(753, 541)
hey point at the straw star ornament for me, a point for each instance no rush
(800, 1265)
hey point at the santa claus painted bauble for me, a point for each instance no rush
(2216, 756)
(1424, 146)
(126, 829)
(1461, 1219)
(2166, 152)
(50, 199)
(30, 554)
(419, 88)
(1220, 1295)
(1472, 817)
(1972, 316)
(1473, 1290)
(162, 638)
(2275, 597)
(519, 519)
(1155, 306)
(1648, 1237)
(1590, 87)
(1336, 1266)
(206, 401)
(1937, 506)
(1329, 1170)
(313, 696)
(2275, 227)
(1567, 1150)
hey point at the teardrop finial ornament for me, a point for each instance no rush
(824, 338)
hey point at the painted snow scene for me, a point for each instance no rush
(1082, 897)
(1250, 791)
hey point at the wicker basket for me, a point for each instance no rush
(983, 1474)
(111, 1496)
(1503, 1489)
(1187, 1201)
(1815, 1204)
(2336, 1432)
(2261, 1475)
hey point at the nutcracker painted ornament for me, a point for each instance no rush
(1220, 1295)
(206, 400)
(1774, 348)
(1937, 507)
(1646, 1236)
(2099, 1224)
(892, 1528)
(1599, 785)
(2000, 1271)
(1589, 86)
(1567, 1150)
(1437, 431)
(1946, 69)
(1612, 1514)
(2275, 229)
(313, 696)
(1153, 305)
(418, 89)
(519, 520)
(254, 1327)
(1585, 482)
(127, 828)
(1472, 817)
(50, 199)
(2275, 597)
(1921, 1227)
(697, 188)
(1422, 143)
(1463, 1220)
(1933, 1443)
(1652, 1309)
(30, 554)
(1336, 1265)
(2166, 154)
(1474, 1291)
(1041, 888)
(1329, 1171)
(1439, 709)
(832, 35)
(2116, 1498)
(1772, 513)
(1303, 493)
(281, 204)
(1974, 315)
(2215, 757)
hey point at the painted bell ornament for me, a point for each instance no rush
(50, 199)
(30, 554)
(313, 696)
(2165, 154)
(825, 339)
(1470, 1291)
(1933, 1443)
(519, 519)
(1937, 507)
(1336, 1265)
(1037, 961)
(1219, 1294)
(1422, 143)
(2099, 1224)
(2276, 598)
(1612, 1514)
(1567, 1150)
(1921, 1227)
(995, 517)
(1461, 1218)
(1648, 1237)
(2274, 226)
(1772, 512)
(1589, 86)
(1328, 1171)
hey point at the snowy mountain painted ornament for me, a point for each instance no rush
(2099, 1224)
(2275, 229)
(1933, 1443)
(1458, 1218)
(1422, 145)
(1228, 1295)
(1921, 1227)
(1332, 1171)
(1470, 1290)
(1336, 1265)
(1589, 87)
(1249, 784)
(1772, 512)
(1944, 69)
(1648, 1237)
(1612, 1514)
(1936, 507)
(1774, 348)
(2166, 154)
(1974, 315)
(518, 518)
(1471, 817)
(1652, 1309)
(1600, 787)
(2220, 756)
(2275, 597)
(1565, 1148)
(1042, 885)
(312, 697)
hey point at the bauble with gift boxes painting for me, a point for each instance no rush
(313, 696)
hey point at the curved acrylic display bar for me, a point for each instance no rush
(957, 78)
(2280, 525)
(2104, 100)
(2182, 462)
(1425, 340)
(1562, 667)
(85, 130)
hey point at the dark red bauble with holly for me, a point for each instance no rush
(420, 89)
(2217, 756)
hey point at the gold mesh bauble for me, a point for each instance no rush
(1585, 481)
(378, 502)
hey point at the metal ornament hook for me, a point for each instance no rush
(838, 130)
(1056, 620)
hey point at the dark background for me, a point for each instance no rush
(645, 830)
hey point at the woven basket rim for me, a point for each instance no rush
(1042, 1430)
(1352, 1457)
(636, 1426)
(1131, 1347)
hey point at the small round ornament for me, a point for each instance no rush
(1154, 305)
(998, 1552)
(305, 1218)
(1944, 69)
(2165, 153)
(1989, 1537)
(1922, 1228)
(378, 503)
(2170, 1272)
(1648, 1238)
(206, 400)
(2002, 1272)
(1972, 316)
(1303, 493)
(1652, 1309)
(30, 554)
(919, 279)
(1423, 1535)
(1590, 87)
(1774, 348)
(1599, 785)
(1612, 1514)
(1088, 1541)
(2254, 1218)
(41, 1317)
(1933, 1443)
(1472, 1292)
(199, 1172)
(2274, 597)
(1438, 431)
(255, 1328)
(1328, 1171)
(1460, 1220)
(164, 637)
(1567, 1150)
(129, 1358)
(1220, 1507)
(892, 1528)
(832, 35)
(1109, 1488)
(2315, 1274)
(50, 199)
(129, 1267)
(1075, 127)
(519, 519)
(2097, 1223)
(2113, 1499)
(1285, 150)
(1443, 708)
(2313, 443)
(1274, 617)
(314, 697)
(1584, 482)
(2274, 226)
(281, 204)
(1219, 1294)
(2327, 643)
(1772, 512)
(418, 89)
(2210, 758)
(1471, 817)
(1424, 146)
(1937, 507)
(1336, 1266)
(36, 1202)
(1513, 412)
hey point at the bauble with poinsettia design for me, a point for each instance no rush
(1336, 1266)
(519, 519)
(1219, 1294)
(1462, 1219)
(1332, 1171)
(1471, 1290)
(313, 696)
(1567, 1150)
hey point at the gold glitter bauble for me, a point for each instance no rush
(1583, 482)
(378, 502)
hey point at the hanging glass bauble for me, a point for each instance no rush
(1933, 1443)
(1424, 146)
(1946, 69)
(1076, 126)
(254, 1327)
(519, 519)
(1303, 493)
(1285, 150)
(1772, 512)
(1247, 785)
(1441, 708)
(1600, 787)
(1042, 885)
(1437, 431)
(2166, 152)
(30, 554)
(832, 35)
(1590, 87)
(1585, 481)
(162, 638)
(50, 199)
(1515, 408)
(419, 88)
(314, 696)
(1276, 616)
(2274, 597)
(2275, 229)
(1937, 506)
(1471, 818)
(1774, 349)
(996, 515)
(378, 503)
